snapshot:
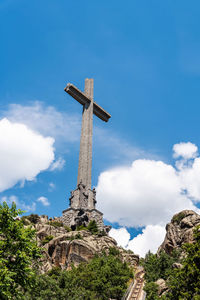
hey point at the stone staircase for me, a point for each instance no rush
(135, 291)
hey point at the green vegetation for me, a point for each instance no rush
(158, 266)
(92, 227)
(33, 218)
(77, 236)
(82, 227)
(67, 228)
(18, 252)
(103, 277)
(177, 218)
(56, 224)
(47, 239)
(183, 283)
(151, 288)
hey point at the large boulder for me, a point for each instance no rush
(162, 287)
(67, 248)
(180, 230)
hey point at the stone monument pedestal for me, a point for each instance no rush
(82, 209)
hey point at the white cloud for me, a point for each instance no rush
(190, 177)
(151, 238)
(20, 204)
(185, 150)
(48, 121)
(44, 201)
(58, 164)
(147, 192)
(121, 235)
(23, 153)
(65, 128)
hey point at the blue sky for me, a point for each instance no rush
(144, 57)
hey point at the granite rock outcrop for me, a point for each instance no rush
(180, 230)
(62, 248)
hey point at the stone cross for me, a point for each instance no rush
(89, 108)
(83, 199)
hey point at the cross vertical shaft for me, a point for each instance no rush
(85, 154)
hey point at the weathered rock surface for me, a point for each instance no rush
(162, 287)
(67, 248)
(180, 230)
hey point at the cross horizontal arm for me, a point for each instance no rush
(83, 99)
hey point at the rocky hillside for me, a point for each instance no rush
(62, 247)
(180, 230)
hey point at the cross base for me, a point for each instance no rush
(82, 209)
(76, 217)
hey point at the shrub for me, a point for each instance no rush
(25, 220)
(56, 224)
(101, 233)
(177, 218)
(78, 236)
(113, 251)
(92, 227)
(82, 227)
(33, 218)
(67, 228)
(47, 239)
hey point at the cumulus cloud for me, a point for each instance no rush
(185, 150)
(47, 120)
(121, 235)
(44, 201)
(23, 153)
(20, 204)
(150, 239)
(147, 192)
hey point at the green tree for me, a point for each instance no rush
(102, 278)
(18, 252)
(151, 288)
(184, 283)
(157, 266)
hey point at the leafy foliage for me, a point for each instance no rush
(151, 288)
(177, 218)
(18, 251)
(56, 224)
(113, 251)
(47, 239)
(157, 266)
(103, 277)
(92, 227)
(33, 218)
(77, 236)
(184, 283)
(67, 228)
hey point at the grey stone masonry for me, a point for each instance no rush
(83, 198)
